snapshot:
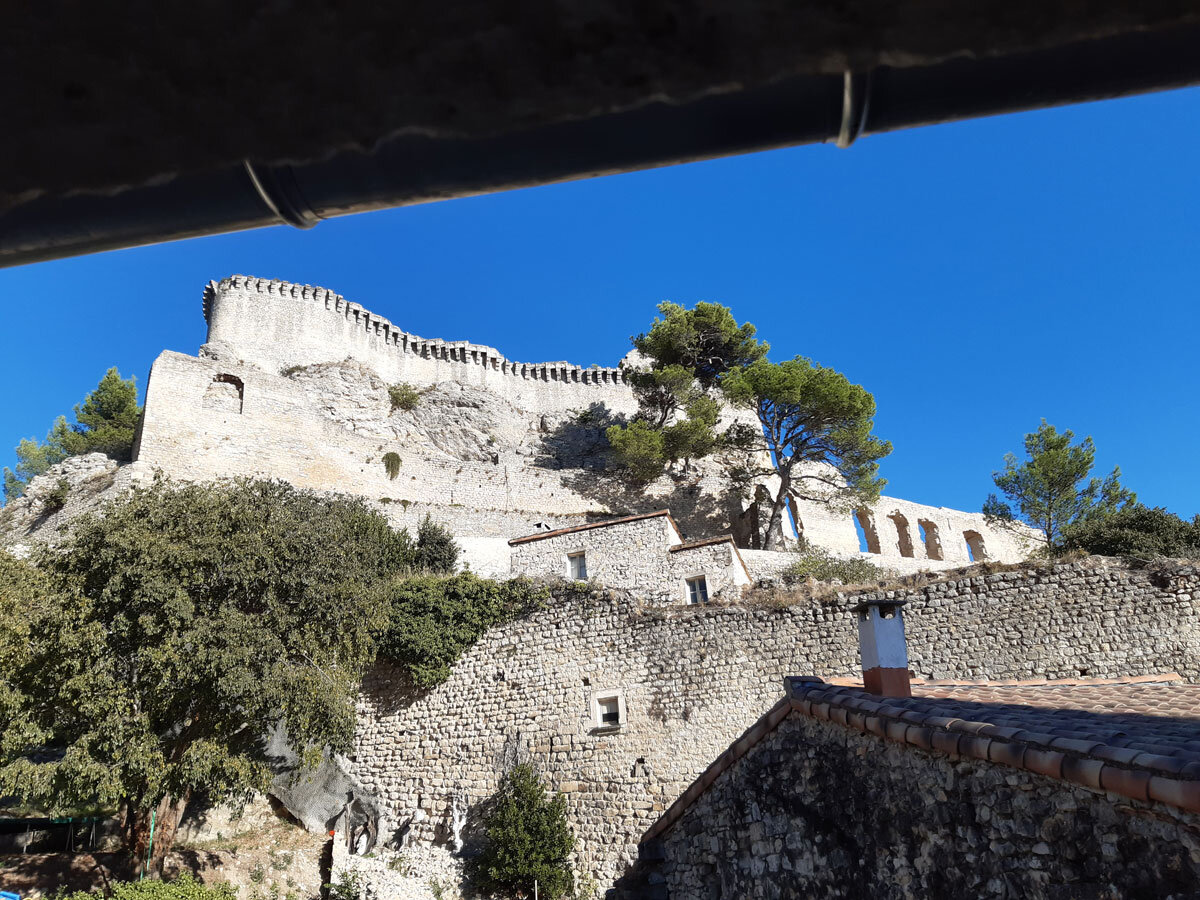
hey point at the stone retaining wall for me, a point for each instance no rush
(694, 678)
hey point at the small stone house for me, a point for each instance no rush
(1014, 789)
(644, 554)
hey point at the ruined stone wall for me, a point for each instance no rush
(694, 678)
(820, 810)
(637, 557)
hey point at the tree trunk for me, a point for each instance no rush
(775, 523)
(166, 817)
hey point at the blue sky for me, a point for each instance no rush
(975, 277)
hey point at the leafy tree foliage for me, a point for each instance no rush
(816, 428)
(528, 838)
(162, 642)
(1050, 489)
(705, 341)
(105, 422)
(1135, 530)
(435, 619)
(688, 350)
(404, 396)
(436, 550)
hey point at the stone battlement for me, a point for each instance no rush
(272, 323)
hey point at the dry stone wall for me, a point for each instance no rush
(692, 679)
(820, 810)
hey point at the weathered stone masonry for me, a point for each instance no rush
(694, 678)
(820, 810)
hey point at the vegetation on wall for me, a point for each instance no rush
(391, 464)
(1136, 531)
(434, 620)
(105, 422)
(403, 396)
(1051, 489)
(528, 839)
(163, 640)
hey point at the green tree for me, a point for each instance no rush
(687, 351)
(1135, 530)
(815, 430)
(705, 341)
(435, 550)
(105, 422)
(168, 635)
(1050, 489)
(528, 838)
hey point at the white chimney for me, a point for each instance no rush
(884, 650)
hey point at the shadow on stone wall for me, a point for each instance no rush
(578, 448)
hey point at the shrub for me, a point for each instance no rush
(436, 550)
(185, 887)
(56, 499)
(821, 565)
(404, 396)
(528, 838)
(347, 887)
(391, 463)
(1135, 531)
(434, 619)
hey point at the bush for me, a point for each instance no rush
(528, 838)
(404, 396)
(821, 565)
(436, 550)
(391, 464)
(185, 887)
(56, 499)
(1135, 531)
(434, 619)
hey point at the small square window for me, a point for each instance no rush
(577, 566)
(697, 590)
(608, 711)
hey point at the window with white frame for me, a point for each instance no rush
(577, 566)
(697, 589)
(608, 711)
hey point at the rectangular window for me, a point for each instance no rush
(610, 711)
(697, 590)
(577, 566)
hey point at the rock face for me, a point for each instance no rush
(76, 485)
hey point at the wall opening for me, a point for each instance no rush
(577, 566)
(868, 537)
(930, 538)
(975, 546)
(226, 393)
(697, 590)
(903, 535)
(797, 522)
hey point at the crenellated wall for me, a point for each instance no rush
(276, 324)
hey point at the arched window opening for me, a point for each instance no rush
(903, 536)
(930, 538)
(226, 393)
(797, 522)
(868, 537)
(975, 547)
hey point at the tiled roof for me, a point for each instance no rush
(1136, 737)
(542, 535)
